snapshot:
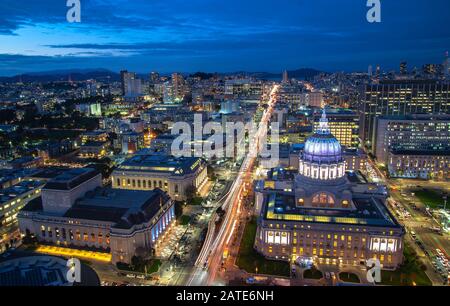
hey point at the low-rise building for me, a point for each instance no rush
(12, 200)
(94, 149)
(419, 164)
(75, 211)
(177, 176)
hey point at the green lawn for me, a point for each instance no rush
(184, 220)
(248, 259)
(430, 198)
(349, 277)
(154, 267)
(408, 274)
(312, 274)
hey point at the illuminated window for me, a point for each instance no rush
(323, 199)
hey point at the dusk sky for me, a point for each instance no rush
(222, 36)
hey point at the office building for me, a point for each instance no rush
(131, 84)
(427, 165)
(399, 98)
(425, 133)
(312, 99)
(344, 125)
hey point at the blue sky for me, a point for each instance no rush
(219, 35)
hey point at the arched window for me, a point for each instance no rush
(323, 199)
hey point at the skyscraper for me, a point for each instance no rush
(399, 98)
(131, 84)
(403, 68)
(285, 77)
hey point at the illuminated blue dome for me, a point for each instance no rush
(323, 147)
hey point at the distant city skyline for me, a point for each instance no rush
(231, 36)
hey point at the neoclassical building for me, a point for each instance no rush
(74, 211)
(173, 175)
(323, 213)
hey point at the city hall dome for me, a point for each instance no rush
(322, 157)
(323, 147)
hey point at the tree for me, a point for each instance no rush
(191, 192)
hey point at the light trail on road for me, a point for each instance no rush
(211, 254)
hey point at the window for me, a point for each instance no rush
(323, 199)
(118, 182)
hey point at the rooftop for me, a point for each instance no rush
(124, 208)
(71, 179)
(19, 189)
(369, 211)
(161, 163)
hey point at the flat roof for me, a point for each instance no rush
(18, 189)
(71, 179)
(369, 211)
(122, 207)
(161, 163)
(421, 153)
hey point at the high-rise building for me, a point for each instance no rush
(154, 77)
(419, 133)
(131, 84)
(399, 98)
(285, 77)
(174, 90)
(378, 71)
(344, 125)
(403, 68)
(446, 65)
(312, 99)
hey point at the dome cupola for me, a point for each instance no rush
(323, 147)
(322, 157)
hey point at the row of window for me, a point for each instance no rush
(144, 184)
(78, 236)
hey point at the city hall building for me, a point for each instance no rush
(325, 214)
(74, 211)
(171, 174)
